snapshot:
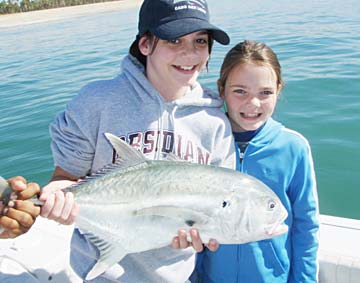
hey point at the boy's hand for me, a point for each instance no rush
(59, 206)
(20, 214)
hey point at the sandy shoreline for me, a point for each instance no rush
(13, 20)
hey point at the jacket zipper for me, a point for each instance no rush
(241, 156)
(241, 150)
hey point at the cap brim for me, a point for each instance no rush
(181, 27)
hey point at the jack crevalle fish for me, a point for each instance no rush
(139, 204)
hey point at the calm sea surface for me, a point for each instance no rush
(43, 65)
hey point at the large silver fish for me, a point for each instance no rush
(140, 204)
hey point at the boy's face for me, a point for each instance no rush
(251, 94)
(176, 63)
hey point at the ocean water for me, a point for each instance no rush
(43, 65)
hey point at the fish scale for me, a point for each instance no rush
(139, 204)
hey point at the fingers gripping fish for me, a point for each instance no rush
(139, 204)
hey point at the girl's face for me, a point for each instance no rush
(251, 94)
(175, 63)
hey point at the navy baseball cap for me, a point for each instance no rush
(171, 19)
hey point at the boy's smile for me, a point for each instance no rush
(174, 65)
(186, 68)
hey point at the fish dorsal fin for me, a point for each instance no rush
(189, 216)
(110, 253)
(127, 155)
(172, 157)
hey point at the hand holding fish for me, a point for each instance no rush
(59, 206)
(137, 204)
(17, 215)
(181, 242)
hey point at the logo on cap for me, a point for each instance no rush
(198, 5)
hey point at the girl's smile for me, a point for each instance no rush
(250, 93)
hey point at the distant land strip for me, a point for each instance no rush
(20, 6)
(63, 13)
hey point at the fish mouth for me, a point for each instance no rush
(278, 227)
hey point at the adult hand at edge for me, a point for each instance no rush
(20, 214)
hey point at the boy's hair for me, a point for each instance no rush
(135, 51)
(257, 53)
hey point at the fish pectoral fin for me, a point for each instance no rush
(110, 253)
(188, 216)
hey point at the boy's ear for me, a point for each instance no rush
(144, 45)
(220, 89)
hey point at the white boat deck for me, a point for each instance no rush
(42, 255)
(339, 250)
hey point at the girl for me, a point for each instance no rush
(250, 83)
(157, 106)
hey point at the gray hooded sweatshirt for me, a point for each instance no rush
(128, 106)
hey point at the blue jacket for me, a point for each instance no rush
(281, 158)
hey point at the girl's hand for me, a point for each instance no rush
(181, 242)
(19, 215)
(59, 206)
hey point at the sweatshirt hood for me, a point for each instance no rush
(197, 95)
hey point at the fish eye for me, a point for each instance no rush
(225, 203)
(271, 205)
